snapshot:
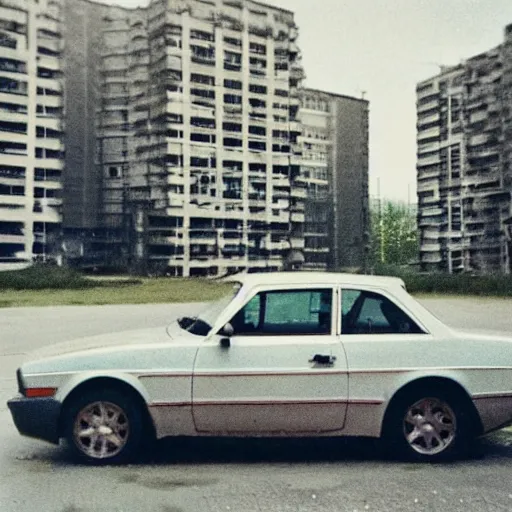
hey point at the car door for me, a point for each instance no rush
(284, 372)
(383, 342)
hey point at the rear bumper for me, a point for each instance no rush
(36, 417)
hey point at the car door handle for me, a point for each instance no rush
(323, 359)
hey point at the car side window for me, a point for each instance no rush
(365, 312)
(290, 312)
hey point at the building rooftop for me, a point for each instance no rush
(117, 3)
(113, 4)
(334, 94)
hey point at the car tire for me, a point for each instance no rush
(427, 425)
(104, 427)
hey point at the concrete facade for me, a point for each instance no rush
(464, 168)
(184, 141)
(334, 169)
(31, 130)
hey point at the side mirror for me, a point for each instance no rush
(226, 332)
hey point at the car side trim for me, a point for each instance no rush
(355, 401)
(483, 396)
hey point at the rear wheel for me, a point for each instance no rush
(427, 426)
(104, 427)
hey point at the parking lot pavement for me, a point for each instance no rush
(236, 476)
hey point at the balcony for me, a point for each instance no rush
(427, 91)
(297, 217)
(175, 202)
(206, 60)
(477, 140)
(429, 160)
(233, 110)
(175, 178)
(431, 105)
(257, 71)
(297, 242)
(298, 192)
(232, 66)
(280, 181)
(202, 238)
(11, 239)
(432, 118)
(297, 71)
(430, 133)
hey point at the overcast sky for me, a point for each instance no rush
(384, 47)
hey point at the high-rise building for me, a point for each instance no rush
(197, 129)
(31, 131)
(334, 171)
(184, 147)
(464, 168)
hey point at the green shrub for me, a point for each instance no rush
(40, 277)
(499, 285)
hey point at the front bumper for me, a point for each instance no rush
(36, 417)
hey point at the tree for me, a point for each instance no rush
(394, 239)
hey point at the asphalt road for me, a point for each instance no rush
(238, 476)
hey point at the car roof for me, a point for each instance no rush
(313, 278)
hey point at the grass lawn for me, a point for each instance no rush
(57, 286)
(144, 291)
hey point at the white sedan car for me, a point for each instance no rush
(285, 354)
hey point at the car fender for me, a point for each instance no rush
(80, 378)
(404, 379)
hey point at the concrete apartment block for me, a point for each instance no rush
(464, 168)
(185, 144)
(31, 129)
(334, 170)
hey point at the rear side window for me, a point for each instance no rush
(365, 312)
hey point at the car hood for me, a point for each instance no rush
(114, 342)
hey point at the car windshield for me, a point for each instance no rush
(202, 324)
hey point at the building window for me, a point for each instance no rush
(12, 65)
(201, 35)
(48, 73)
(12, 148)
(260, 49)
(7, 42)
(233, 41)
(232, 61)
(257, 145)
(12, 86)
(7, 126)
(232, 127)
(233, 84)
(202, 79)
(114, 172)
(232, 99)
(258, 130)
(258, 89)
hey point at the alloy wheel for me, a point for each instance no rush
(429, 426)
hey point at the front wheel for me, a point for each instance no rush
(427, 426)
(104, 427)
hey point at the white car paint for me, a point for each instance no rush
(268, 385)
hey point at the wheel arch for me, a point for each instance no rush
(439, 384)
(123, 384)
